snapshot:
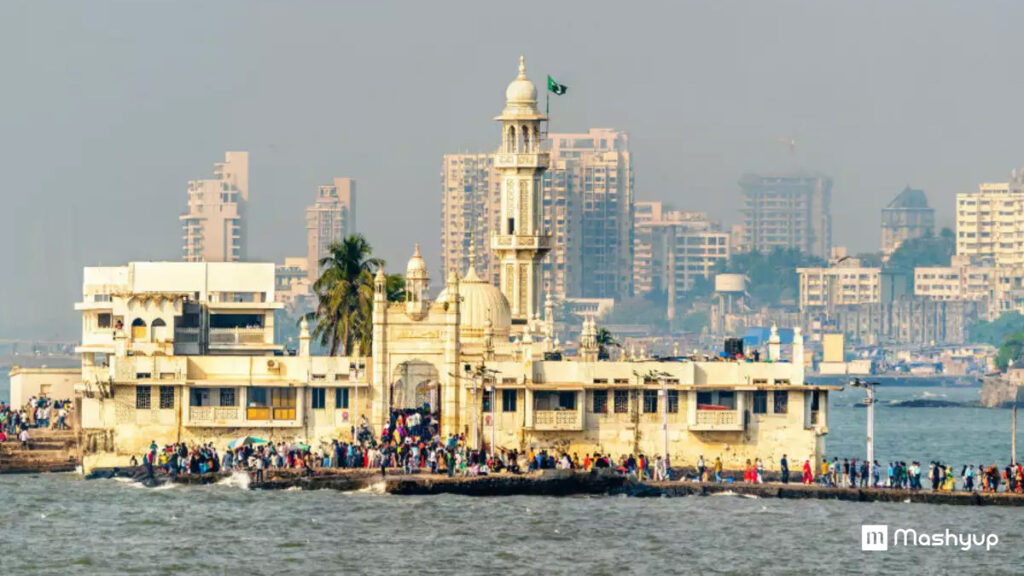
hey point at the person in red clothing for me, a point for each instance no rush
(808, 477)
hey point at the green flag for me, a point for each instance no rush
(555, 87)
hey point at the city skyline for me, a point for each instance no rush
(724, 117)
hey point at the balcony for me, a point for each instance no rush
(213, 416)
(511, 160)
(237, 336)
(521, 242)
(557, 420)
(718, 420)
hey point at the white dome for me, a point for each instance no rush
(417, 267)
(481, 301)
(521, 90)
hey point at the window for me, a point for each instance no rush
(103, 320)
(142, 397)
(166, 397)
(727, 399)
(760, 402)
(319, 398)
(650, 401)
(781, 401)
(567, 400)
(600, 402)
(227, 397)
(703, 398)
(508, 400)
(341, 398)
(621, 401)
(673, 401)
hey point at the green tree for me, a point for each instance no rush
(605, 341)
(1010, 350)
(998, 330)
(344, 293)
(773, 276)
(924, 251)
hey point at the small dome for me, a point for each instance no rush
(482, 302)
(417, 267)
(521, 93)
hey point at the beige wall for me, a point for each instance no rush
(58, 383)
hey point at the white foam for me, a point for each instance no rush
(379, 487)
(238, 479)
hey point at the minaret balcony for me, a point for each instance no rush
(538, 160)
(521, 242)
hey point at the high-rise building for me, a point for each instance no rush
(215, 225)
(470, 208)
(672, 249)
(331, 218)
(990, 225)
(841, 285)
(787, 211)
(588, 208)
(907, 216)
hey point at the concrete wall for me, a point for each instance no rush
(29, 382)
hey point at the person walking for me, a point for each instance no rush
(784, 465)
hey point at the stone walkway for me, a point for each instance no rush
(49, 451)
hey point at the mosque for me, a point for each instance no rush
(178, 351)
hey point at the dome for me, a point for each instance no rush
(417, 267)
(521, 95)
(521, 89)
(481, 301)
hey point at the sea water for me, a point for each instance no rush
(60, 524)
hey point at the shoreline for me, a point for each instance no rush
(561, 483)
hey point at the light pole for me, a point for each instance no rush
(869, 401)
(491, 390)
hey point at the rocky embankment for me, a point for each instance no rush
(48, 451)
(999, 392)
(559, 483)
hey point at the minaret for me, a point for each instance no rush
(521, 243)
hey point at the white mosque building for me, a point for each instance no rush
(185, 352)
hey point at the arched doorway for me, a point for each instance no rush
(416, 389)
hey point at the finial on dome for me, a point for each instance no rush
(472, 252)
(416, 251)
(522, 66)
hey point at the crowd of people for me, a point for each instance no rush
(37, 413)
(411, 442)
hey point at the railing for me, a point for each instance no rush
(536, 160)
(235, 336)
(718, 420)
(557, 420)
(521, 241)
(199, 415)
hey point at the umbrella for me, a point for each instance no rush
(245, 441)
(302, 446)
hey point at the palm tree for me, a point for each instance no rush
(345, 295)
(605, 340)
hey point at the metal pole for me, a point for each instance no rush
(1013, 434)
(871, 426)
(476, 432)
(493, 390)
(664, 418)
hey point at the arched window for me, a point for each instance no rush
(159, 329)
(510, 146)
(139, 330)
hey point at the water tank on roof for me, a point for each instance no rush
(730, 283)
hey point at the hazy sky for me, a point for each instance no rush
(107, 109)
